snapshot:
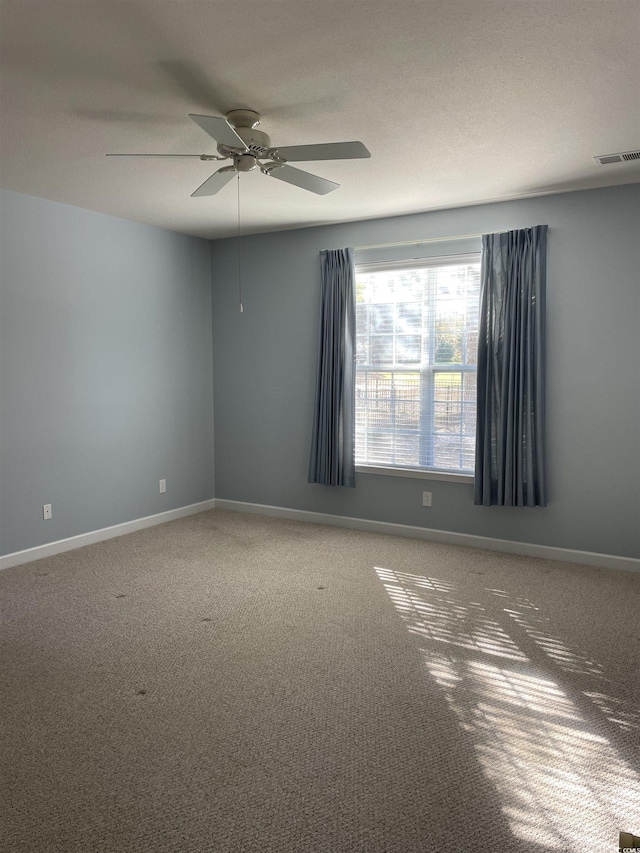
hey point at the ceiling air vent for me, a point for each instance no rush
(605, 159)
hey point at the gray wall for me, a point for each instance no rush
(105, 371)
(265, 363)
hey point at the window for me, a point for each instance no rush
(417, 334)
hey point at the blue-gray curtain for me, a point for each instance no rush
(332, 460)
(511, 407)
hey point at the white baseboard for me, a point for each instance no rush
(51, 548)
(567, 555)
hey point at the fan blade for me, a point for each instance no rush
(220, 130)
(323, 151)
(304, 180)
(215, 183)
(199, 156)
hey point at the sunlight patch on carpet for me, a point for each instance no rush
(562, 783)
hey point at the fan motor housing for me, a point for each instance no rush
(252, 138)
(243, 118)
(245, 122)
(244, 162)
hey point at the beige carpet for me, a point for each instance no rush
(230, 683)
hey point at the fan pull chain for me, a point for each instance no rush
(239, 268)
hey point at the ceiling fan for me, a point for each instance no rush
(238, 140)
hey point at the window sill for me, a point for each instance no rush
(450, 477)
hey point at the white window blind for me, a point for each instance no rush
(417, 334)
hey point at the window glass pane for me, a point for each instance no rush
(447, 409)
(423, 417)
(469, 419)
(380, 385)
(407, 449)
(448, 386)
(469, 387)
(409, 318)
(471, 345)
(362, 319)
(381, 317)
(468, 452)
(362, 350)
(410, 287)
(406, 386)
(406, 391)
(408, 349)
(382, 287)
(449, 342)
(407, 414)
(382, 349)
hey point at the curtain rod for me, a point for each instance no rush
(418, 242)
(403, 261)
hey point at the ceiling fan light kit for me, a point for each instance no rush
(237, 139)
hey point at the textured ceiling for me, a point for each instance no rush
(459, 102)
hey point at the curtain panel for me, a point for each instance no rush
(511, 370)
(332, 461)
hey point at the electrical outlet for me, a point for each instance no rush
(426, 499)
(163, 486)
(46, 511)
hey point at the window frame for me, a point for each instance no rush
(427, 373)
